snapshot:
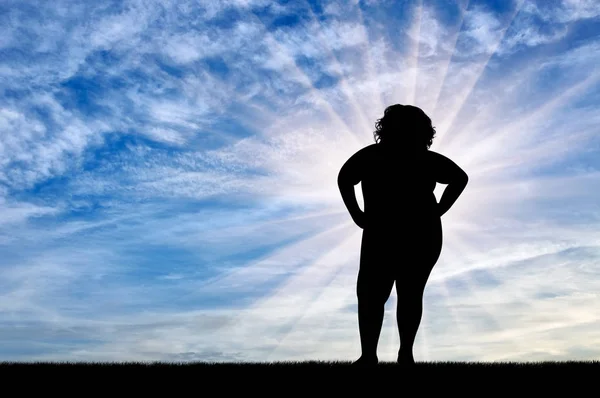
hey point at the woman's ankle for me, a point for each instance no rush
(405, 354)
(369, 357)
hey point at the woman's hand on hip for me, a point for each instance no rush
(360, 219)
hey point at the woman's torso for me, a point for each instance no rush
(398, 188)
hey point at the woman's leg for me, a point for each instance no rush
(410, 286)
(409, 312)
(373, 290)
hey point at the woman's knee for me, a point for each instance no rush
(410, 294)
(370, 296)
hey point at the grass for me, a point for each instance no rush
(302, 365)
(311, 378)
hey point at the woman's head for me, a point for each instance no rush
(404, 125)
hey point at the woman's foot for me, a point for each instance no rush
(366, 361)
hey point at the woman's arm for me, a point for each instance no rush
(351, 174)
(448, 172)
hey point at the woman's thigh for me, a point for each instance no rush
(403, 256)
(374, 286)
(419, 260)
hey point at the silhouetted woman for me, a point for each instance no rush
(402, 229)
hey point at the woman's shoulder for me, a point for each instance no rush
(371, 147)
(368, 151)
(436, 156)
(376, 150)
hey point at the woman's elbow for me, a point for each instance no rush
(344, 182)
(344, 179)
(463, 179)
(348, 182)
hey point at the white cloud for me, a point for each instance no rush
(14, 213)
(564, 11)
(482, 32)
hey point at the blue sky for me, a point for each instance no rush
(168, 176)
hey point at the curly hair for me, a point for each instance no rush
(405, 125)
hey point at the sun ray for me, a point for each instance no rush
(444, 67)
(450, 115)
(504, 138)
(307, 273)
(388, 340)
(403, 86)
(473, 290)
(371, 69)
(290, 300)
(310, 272)
(257, 113)
(450, 307)
(449, 304)
(346, 89)
(303, 78)
(421, 348)
(332, 299)
(273, 264)
(413, 65)
(489, 110)
(306, 216)
(544, 153)
(345, 300)
(267, 263)
(421, 344)
(476, 296)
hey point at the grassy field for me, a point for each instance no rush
(308, 365)
(314, 377)
(319, 368)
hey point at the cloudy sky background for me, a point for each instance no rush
(168, 176)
